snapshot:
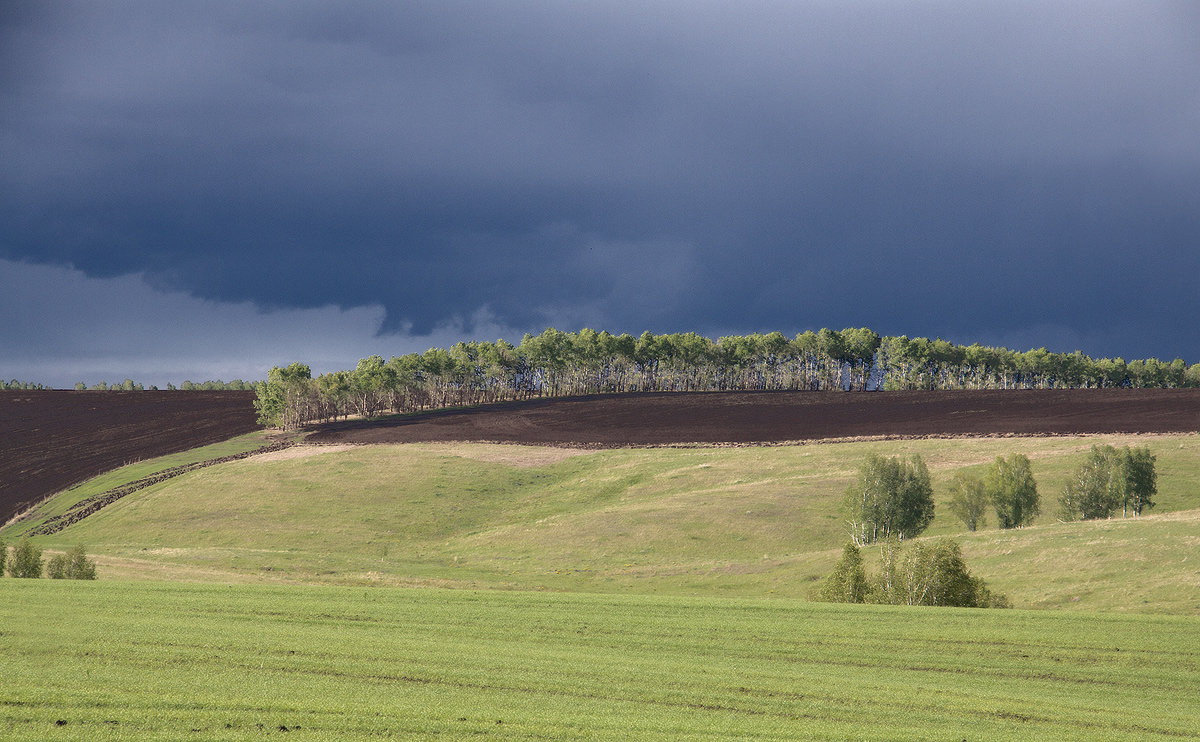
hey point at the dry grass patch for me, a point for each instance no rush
(301, 452)
(523, 457)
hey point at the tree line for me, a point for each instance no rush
(129, 385)
(556, 363)
(15, 385)
(893, 497)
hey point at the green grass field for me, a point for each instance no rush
(631, 594)
(113, 660)
(690, 521)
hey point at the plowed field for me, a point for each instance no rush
(739, 417)
(50, 440)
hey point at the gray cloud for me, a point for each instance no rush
(928, 168)
(110, 329)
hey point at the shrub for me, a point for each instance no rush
(56, 568)
(26, 560)
(3, 556)
(73, 565)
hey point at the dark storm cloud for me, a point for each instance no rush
(978, 171)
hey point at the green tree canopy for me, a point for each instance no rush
(890, 497)
(1141, 480)
(1010, 486)
(848, 581)
(26, 560)
(1110, 479)
(931, 573)
(72, 565)
(969, 500)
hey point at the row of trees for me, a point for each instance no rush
(892, 500)
(15, 385)
(893, 497)
(26, 562)
(557, 363)
(129, 385)
(924, 573)
(920, 363)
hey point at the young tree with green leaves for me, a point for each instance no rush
(1141, 480)
(891, 497)
(848, 581)
(26, 560)
(969, 499)
(934, 573)
(1109, 479)
(284, 399)
(1097, 488)
(1010, 486)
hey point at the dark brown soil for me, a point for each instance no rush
(50, 440)
(749, 417)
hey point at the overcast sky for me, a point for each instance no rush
(201, 190)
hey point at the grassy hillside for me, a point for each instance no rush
(702, 521)
(113, 660)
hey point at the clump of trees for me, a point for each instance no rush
(72, 565)
(26, 562)
(1007, 487)
(556, 363)
(15, 385)
(890, 497)
(1110, 479)
(923, 573)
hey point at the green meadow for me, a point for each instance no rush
(115, 660)
(454, 591)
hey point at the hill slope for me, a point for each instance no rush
(723, 521)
